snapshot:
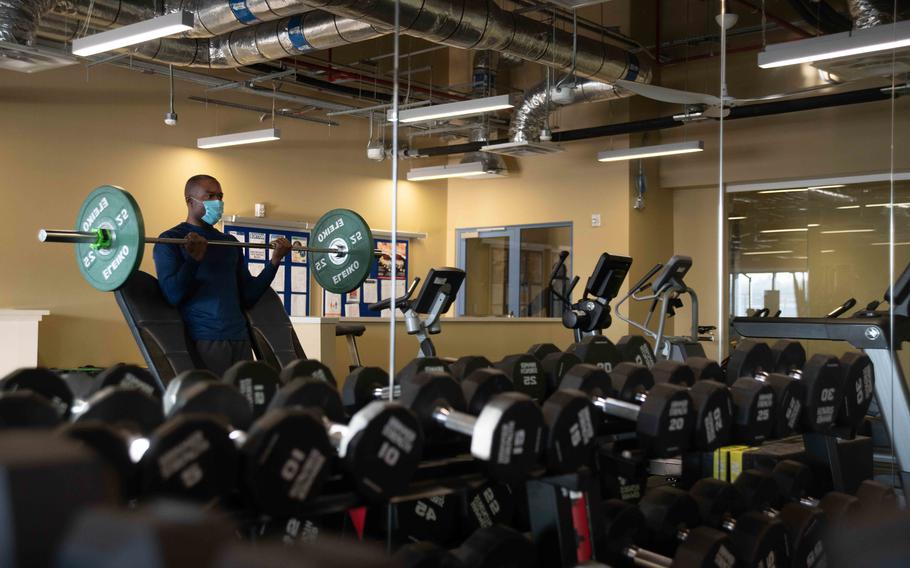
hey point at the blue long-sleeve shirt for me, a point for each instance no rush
(210, 294)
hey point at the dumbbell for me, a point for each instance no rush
(464, 366)
(596, 350)
(554, 362)
(663, 414)
(306, 368)
(491, 547)
(420, 365)
(256, 381)
(379, 447)
(526, 374)
(636, 349)
(506, 435)
(364, 385)
(626, 532)
(714, 407)
(817, 385)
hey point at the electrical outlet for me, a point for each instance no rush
(595, 219)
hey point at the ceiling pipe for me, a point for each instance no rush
(666, 122)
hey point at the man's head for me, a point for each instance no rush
(199, 189)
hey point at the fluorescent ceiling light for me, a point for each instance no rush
(826, 186)
(132, 34)
(811, 225)
(451, 110)
(736, 218)
(827, 250)
(833, 46)
(842, 231)
(888, 204)
(237, 138)
(849, 207)
(797, 230)
(898, 244)
(470, 169)
(651, 151)
(791, 190)
(757, 252)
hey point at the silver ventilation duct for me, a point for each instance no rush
(484, 85)
(870, 13)
(19, 19)
(528, 117)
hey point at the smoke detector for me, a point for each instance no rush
(524, 149)
(25, 59)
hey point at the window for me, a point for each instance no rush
(508, 269)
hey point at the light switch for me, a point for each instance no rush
(595, 219)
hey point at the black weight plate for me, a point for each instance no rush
(428, 391)
(176, 389)
(382, 449)
(497, 547)
(759, 489)
(666, 421)
(360, 387)
(555, 366)
(667, 510)
(508, 435)
(795, 479)
(481, 385)
(430, 519)
(486, 505)
(787, 356)
(713, 415)
(749, 358)
(301, 368)
(25, 409)
(130, 376)
(673, 372)
(753, 410)
(760, 540)
(705, 547)
(596, 350)
(218, 399)
(256, 381)
(285, 460)
(806, 528)
(308, 392)
(859, 388)
(466, 365)
(112, 447)
(717, 500)
(420, 365)
(190, 456)
(589, 379)
(569, 417)
(706, 369)
(125, 408)
(541, 350)
(624, 526)
(630, 379)
(636, 349)
(526, 375)
(43, 382)
(790, 394)
(824, 392)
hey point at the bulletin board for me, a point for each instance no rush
(377, 286)
(292, 281)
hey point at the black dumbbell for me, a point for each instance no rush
(464, 366)
(714, 408)
(182, 382)
(28, 409)
(526, 374)
(364, 385)
(596, 350)
(256, 381)
(554, 362)
(506, 435)
(795, 481)
(491, 547)
(859, 388)
(785, 368)
(627, 538)
(301, 368)
(636, 349)
(421, 365)
(663, 414)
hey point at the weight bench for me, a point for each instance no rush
(157, 328)
(271, 332)
(351, 331)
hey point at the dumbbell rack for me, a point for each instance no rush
(872, 334)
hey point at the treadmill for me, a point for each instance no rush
(871, 331)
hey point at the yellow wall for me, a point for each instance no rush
(66, 132)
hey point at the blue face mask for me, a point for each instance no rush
(214, 209)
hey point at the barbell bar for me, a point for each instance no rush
(109, 241)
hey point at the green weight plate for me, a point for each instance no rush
(112, 208)
(344, 229)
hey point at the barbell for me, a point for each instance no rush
(110, 238)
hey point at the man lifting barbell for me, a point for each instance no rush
(211, 287)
